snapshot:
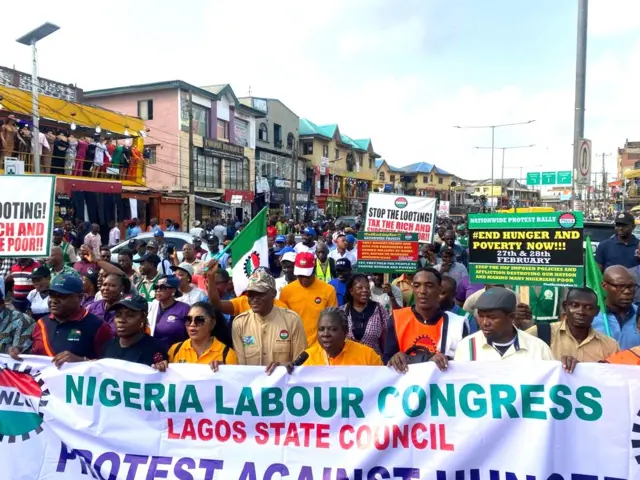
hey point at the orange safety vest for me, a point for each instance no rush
(413, 333)
(626, 357)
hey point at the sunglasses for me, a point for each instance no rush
(199, 320)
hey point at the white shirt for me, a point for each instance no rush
(101, 151)
(42, 142)
(526, 347)
(378, 295)
(301, 247)
(197, 232)
(38, 304)
(194, 296)
(220, 231)
(347, 254)
(281, 282)
(114, 236)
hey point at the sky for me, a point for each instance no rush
(402, 73)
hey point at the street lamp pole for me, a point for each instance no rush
(30, 39)
(493, 129)
(493, 147)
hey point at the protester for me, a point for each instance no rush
(69, 256)
(39, 297)
(220, 231)
(70, 333)
(621, 248)
(15, 329)
(466, 289)
(190, 293)
(105, 254)
(308, 243)
(56, 263)
(325, 266)
(166, 314)
(153, 226)
(463, 236)
(202, 346)
(287, 262)
(125, 261)
(545, 302)
(114, 233)
(93, 239)
(498, 338)
(574, 336)
(343, 272)
(630, 356)
(132, 343)
(308, 296)
(150, 276)
(385, 294)
(334, 348)
(135, 228)
(114, 287)
(423, 327)
(85, 265)
(197, 248)
(447, 297)
(89, 288)
(405, 283)
(197, 231)
(266, 335)
(367, 320)
(341, 250)
(460, 254)
(20, 276)
(449, 266)
(619, 321)
(164, 265)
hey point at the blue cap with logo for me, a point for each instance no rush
(281, 239)
(285, 250)
(66, 284)
(158, 233)
(310, 231)
(350, 239)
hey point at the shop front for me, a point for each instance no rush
(240, 202)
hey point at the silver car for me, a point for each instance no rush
(175, 239)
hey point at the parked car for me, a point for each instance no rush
(175, 239)
(598, 232)
(347, 221)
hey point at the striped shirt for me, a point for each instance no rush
(22, 284)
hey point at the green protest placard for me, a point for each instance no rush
(386, 252)
(526, 248)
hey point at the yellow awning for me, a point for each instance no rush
(632, 173)
(19, 101)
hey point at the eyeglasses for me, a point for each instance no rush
(199, 320)
(621, 287)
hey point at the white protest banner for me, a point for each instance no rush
(26, 215)
(443, 208)
(401, 214)
(489, 421)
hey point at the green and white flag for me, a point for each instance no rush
(249, 250)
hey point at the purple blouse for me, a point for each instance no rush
(99, 310)
(170, 327)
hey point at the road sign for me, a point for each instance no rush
(548, 178)
(582, 164)
(564, 178)
(533, 178)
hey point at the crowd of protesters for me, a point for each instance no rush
(310, 306)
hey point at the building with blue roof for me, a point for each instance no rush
(420, 179)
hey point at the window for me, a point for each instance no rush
(430, 178)
(440, 180)
(425, 179)
(325, 151)
(337, 154)
(381, 176)
(307, 148)
(223, 129)
(207, 170)
(277, 135)
(200, 120)
(236, 174)
(263, 133)
(290, 140)
(392, 178)
(370, 162)
(151, 154)
(360, 160)
(145, 109)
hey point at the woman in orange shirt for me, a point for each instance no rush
(333, 348)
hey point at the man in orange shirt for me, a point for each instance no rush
(626, 357)
(308, 296)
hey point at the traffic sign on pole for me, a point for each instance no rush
(564, 178)
(548, 178)
(533, 178)
(583, 162)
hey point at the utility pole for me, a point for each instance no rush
(581, 76)
(293, 200)
(191, 162)
(605, 202)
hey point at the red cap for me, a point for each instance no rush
(305, 264)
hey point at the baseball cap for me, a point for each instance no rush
(158, 233)
(170, 281)
(152, 244)
(40, 272)
(289, 257)
(351, 239)
(285, 250)
(343, 264)
(149, 257)
(338, 234)
(625, 218)
(260, 281)
(66, 284)
(497, 298)
(447, 249)
(305, 264)
(281, 239)
(309, 231)
(58, 231)
(92, 276)
(460, 228)
(132, 302)
(184, 266)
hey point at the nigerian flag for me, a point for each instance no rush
(249, 250)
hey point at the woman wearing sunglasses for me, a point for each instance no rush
(166, 314)
(204, 326)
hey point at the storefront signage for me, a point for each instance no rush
(242, 132)
(387, 252)
(245, 196)
(526, 248)
(217, 148)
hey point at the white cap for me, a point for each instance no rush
(187, 267)
(289, 257)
